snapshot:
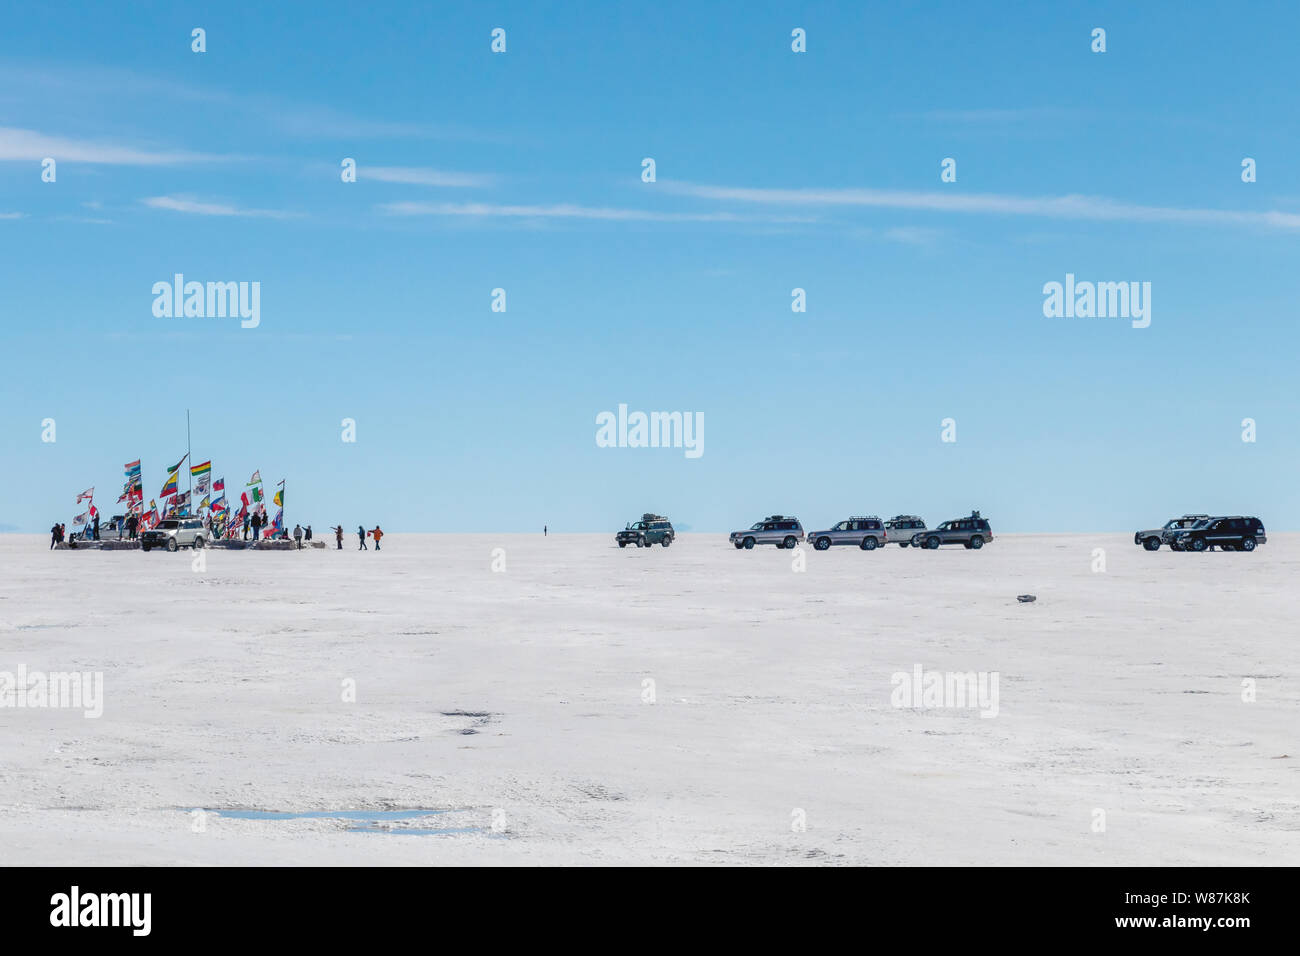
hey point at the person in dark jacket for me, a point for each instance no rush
(54, 536)
(338, 536)
(361, 535)
(297, 535)
(94, 534)
(308, 534)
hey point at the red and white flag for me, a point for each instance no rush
(88, 493)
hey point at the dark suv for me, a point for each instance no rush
(901, 528)
(1230, 533)
(780, 530)
(973, 532)
(650, 530)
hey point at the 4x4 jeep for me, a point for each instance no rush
(775, 529)
(972, 532)
(901, 528)
(1152, 538)
(173, 533)
(650, 530)
(868, 533)
(1231, 533)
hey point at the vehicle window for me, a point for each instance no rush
(758, 526)
(842, 526)
(169, 525)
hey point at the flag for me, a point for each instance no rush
(201, 486)
(219, 504)
(243, 498)
(257, 493)
(202, 468)
(81, 519)
(256, 479)
(177, 466)
(278, 523)
(219, 485)
(279, 498)
(123, 498)
(93, 510)
(169, 488)
(132, 468)
(205, 503)
(88, 493)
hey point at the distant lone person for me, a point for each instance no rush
(297, 535)
(543, 531)
(377, 534)
(338, 536)
(361, 533)
(54, 536)
(132, 523)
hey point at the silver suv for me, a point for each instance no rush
(973, 532)
(173, 533)
(867, 532)
(901, 528)
(779, 530)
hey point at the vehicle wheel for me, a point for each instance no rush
(932, 543)
(977, 542)
(822, 544)
(1198, 544)
(739, 545)
(1248, 544)
(966, 545)
(198, 544)
(790, 543)
(640, 542)
(749, 544)
(869, 544)
(666, 541)
(171, 544)
(144, 548)
(622, 544)
(1151, 544)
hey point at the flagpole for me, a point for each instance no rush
(188, 453)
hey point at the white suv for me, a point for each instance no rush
(173, 533)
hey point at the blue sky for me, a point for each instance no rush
(775, 170)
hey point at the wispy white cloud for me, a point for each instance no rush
(31, 146)
(421, 176)
(200, 207)
(13, 215)
(1093, 208)
(573, 211)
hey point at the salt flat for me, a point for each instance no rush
(520, 699)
